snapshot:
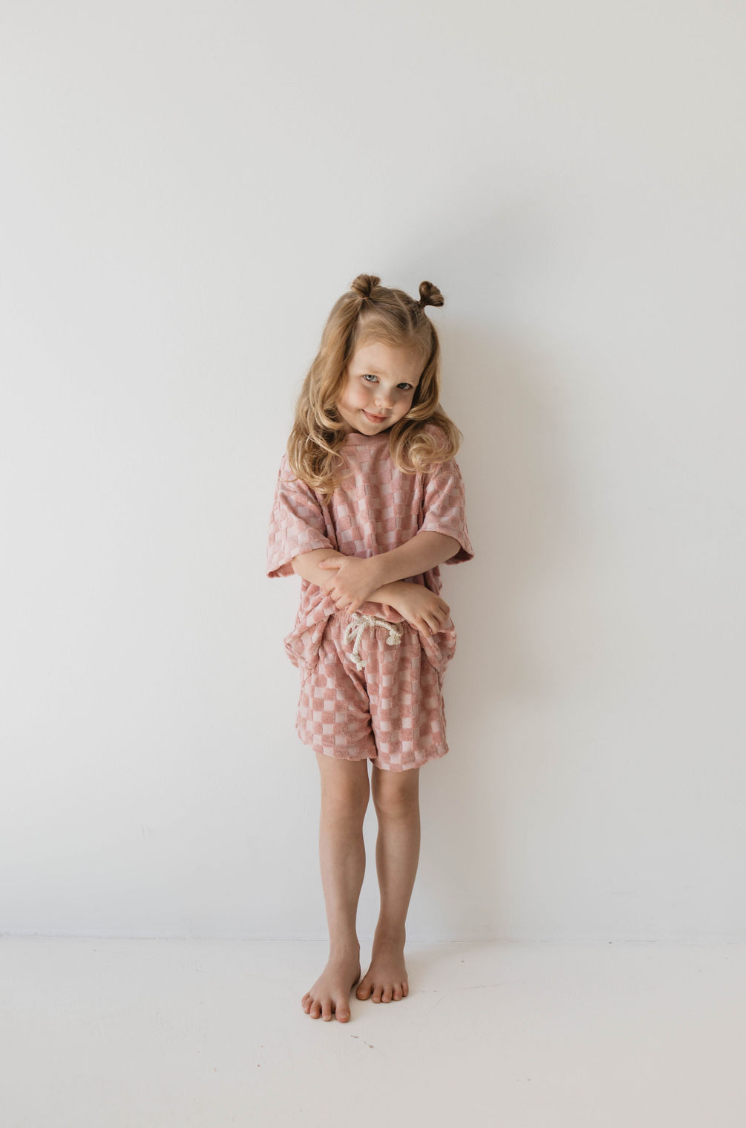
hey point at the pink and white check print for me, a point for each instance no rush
(391, 712)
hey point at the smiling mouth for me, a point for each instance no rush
(375, 418)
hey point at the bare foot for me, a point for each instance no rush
(330, 993)
(386, 978)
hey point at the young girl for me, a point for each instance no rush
(369, 502)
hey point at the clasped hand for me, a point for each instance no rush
(353, 581)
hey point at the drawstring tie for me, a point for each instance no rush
(358, 623)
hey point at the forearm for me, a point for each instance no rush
(418, 555)
(307, 566)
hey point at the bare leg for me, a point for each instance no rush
(345, 790)
(396, 797)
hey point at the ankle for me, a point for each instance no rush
(339, 949)
(389, 937)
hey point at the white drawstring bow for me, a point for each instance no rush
(357, 625)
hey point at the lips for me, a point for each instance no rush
(374, 418)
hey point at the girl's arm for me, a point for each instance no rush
(418, 555)
(306, 565)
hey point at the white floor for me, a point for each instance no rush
(129, 1033)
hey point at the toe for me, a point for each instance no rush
(397, 991)
(342, 1014)
(376, 994)
(326, 1011)
(315, 1010)
(386, 996)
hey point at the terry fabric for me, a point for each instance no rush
(376, 509)
(388, 710)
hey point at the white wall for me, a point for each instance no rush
(185, 192)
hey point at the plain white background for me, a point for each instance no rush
(185, 191)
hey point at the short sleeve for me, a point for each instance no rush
(296, 524)
(444, 505)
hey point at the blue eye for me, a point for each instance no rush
(367, 381)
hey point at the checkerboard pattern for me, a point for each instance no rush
(376, 509)
(391, 712)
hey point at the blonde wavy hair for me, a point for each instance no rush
(369, 312)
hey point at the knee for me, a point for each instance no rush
(346, 800)
(396, 802)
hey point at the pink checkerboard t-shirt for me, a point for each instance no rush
(376, 509)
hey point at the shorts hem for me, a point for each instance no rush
(406, 767)
(327, 751)
(441, 751)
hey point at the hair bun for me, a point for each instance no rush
(365, 284)
(430, 295)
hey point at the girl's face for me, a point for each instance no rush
(380, 387)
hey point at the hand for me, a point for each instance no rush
(354, 580)
(422, 608)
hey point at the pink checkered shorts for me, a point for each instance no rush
(372, 695)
